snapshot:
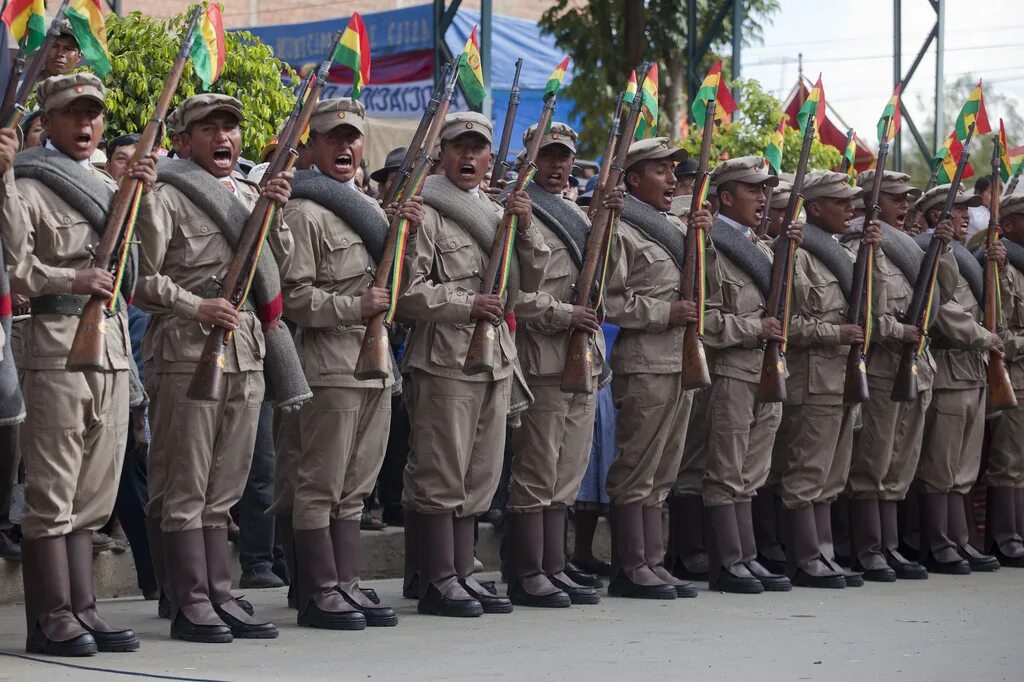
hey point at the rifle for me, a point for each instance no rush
(844, 165)
(772, 388)
(1000, 389)
(904, 389)
(404, 172)
(480, 355)
(1011, 186)
(578, 371)
(695, 361)
(500, 162)
(208, 378)
(856, 386)
(88, 349)
(766, 219)
(374, 361)
(17, 93)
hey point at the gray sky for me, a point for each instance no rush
(837, 39)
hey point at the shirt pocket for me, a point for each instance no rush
(660, 274)
(204, 244)
(72, 236)
(458, 261)
(826, 302)
(558, 275)
(344, 258)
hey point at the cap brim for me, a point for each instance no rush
(971, 200)
(331, 122)
(846, 192)
(756, 179)
(562, 143)
(62, 100)
(904, 188)
(463, 132)
(202, 113)
(381, 174)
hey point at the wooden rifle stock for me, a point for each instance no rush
(904, 389)
(577, 373)
(17, 93)
(88, 349)
(208, 377)
(772, 388)
(500, 161)
(855, 389)
(398, 178)
(1000, 389)
(374, 361)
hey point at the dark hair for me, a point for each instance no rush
(122, 141)
(982, 184)
(26, 122)
(727, 186)
(640, 167)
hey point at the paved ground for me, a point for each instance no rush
(944, 628)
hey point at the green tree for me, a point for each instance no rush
(608, 38)
(751, 129)
(143, 49)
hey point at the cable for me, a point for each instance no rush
(129, 673)
(815, 60)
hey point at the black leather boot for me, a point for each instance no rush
(83, 597)
(805, 565)
(193, 618)
(52, 628)
(243, 624)
(727, 571)
(345, 538)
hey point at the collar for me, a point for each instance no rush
(85, 163)
(735, 225)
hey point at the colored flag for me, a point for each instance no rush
(973, 112)
(1005, 165)
(773, 154)
(889, 123)
(813, 106)
(712, 88)
(26, 20)
(208, 48)
(647, 124)
(555, 80)
(948, 156)
(850, 156)
(354, 52)
(86, 17)
(470, 74)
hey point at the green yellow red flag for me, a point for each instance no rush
(208, 48)
(850, 154)
(712, 88)
(555, 80)
(889, 123)
(470, 74)
(974, 112)
(354, 52)
(813, 107)
(947, 157)
(86, 17)
(1005, 165)
(26, 20)
(773, 153)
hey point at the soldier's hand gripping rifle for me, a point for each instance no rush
(772, 388)
(855, 389)
(691, 286)
(919, 312)
(577, 374)
(88, 350)
(500, 161)
(23, 80)
(405, 171)
(374, 361)
(1000, 389)
(207, 380)
(480, 355)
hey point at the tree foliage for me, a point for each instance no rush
(608, 38)
(143, 50)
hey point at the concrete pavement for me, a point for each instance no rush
(944, 628)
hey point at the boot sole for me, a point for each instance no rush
(549, 602)
(830, 583)
(985, 567)
(773, 586)
(665, 595)
(879, 576)
(62, 649)
(119, 648)
(381, 621)
(754, 587)
(269, 633)
(203, 639)
(585, 600)
(449, 612)
(854, 582)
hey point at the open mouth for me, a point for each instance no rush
(83, 139)
(343, 162)
(467, 170)
(759, 213)
(901, 218)
(669, 194)
(222, 155)
(555, 178)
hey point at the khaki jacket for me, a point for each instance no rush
(959, 341)
(325, 270)
(814, 356)
(45, 242)
(444, 265)
(184, 255)
(542, 343)
(643, 282)
(1013, 322)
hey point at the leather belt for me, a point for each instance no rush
(59, 304)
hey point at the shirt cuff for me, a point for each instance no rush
(186, 305)
(60, 280)
(660, 313)
(561, 316)
(461, 305)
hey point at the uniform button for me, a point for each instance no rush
(451, 243)
(66, 219)
(203, 229)
(344, 241)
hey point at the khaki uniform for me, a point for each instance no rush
(887, 449)
(653, 409)
(343, 431)
(201, 451)
(73, 439)
(816, 432)
(1005, 455)
(457, 419)
(740, 431)
(552, 447)
(955, 425)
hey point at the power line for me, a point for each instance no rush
(872, 57)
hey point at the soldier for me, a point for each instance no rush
(955, 422)
(201, 451)
(740, 431)
(647, 385)
(328, 253)
(777, 206)
(816, 433)
(458, 419)
(382, 176)
(887, 448)
(74, 438)
(552, 447)
(1004, 524)
(65, 53)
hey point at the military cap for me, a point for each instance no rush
(588, 190)
(892, 183)
(1011, 204)
(936, 198)
(64, 29)
(173, 123)
(653, 149)
(198, 107)
(825, 184)
(339, 111)
(558, 133)
(684, 168)
(751, 170)
(465, 122)
(59, 91)
(392, 162)
(780, 195)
